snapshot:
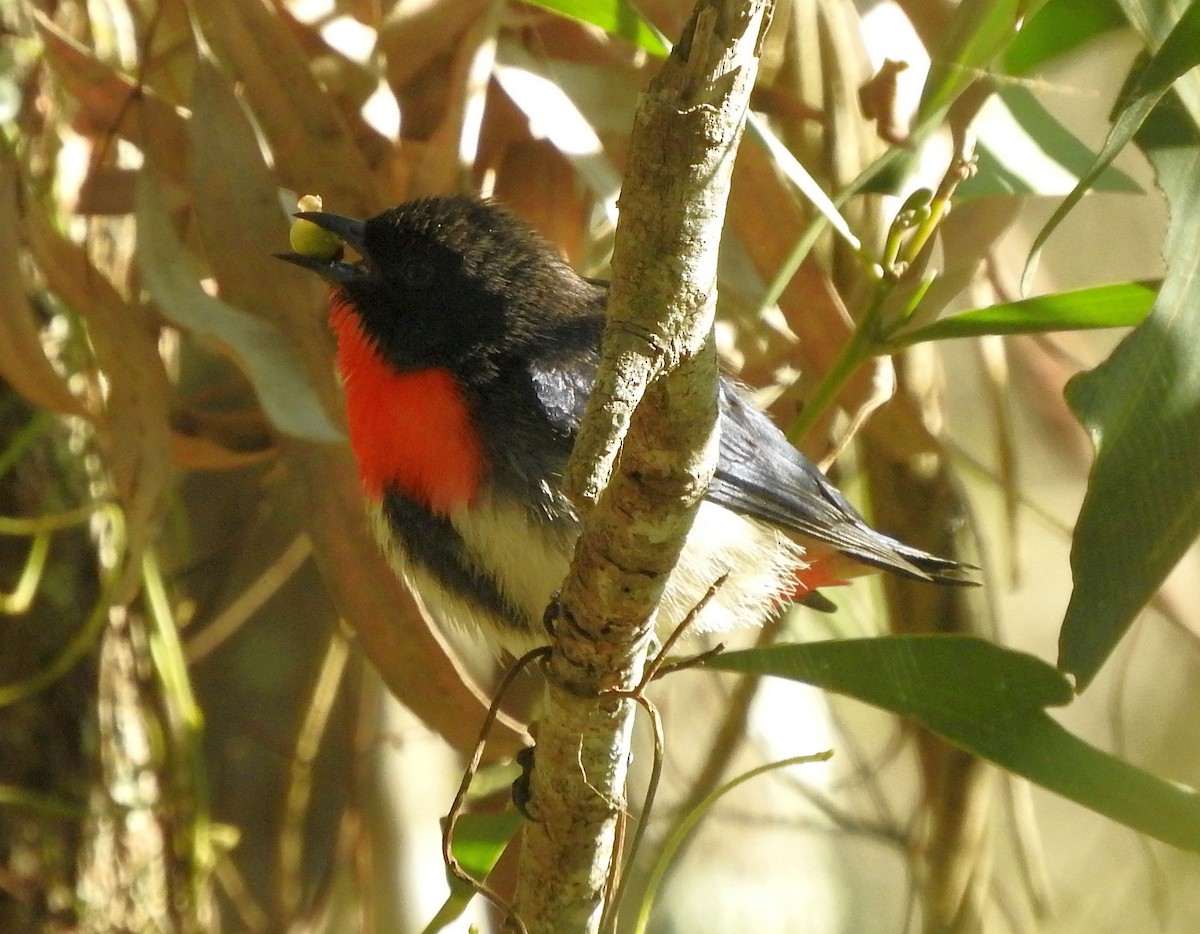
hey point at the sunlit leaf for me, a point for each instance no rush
(980, 31)
(618, 17)
(272, 368)
(1024, 150)
(1060, 26)
(1179, 53)
(111, 99)
(313, 148)
(1124, 304)
(1142, 410)
(991, 701)
(1142, 406)
(480, 840)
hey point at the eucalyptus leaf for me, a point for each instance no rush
(1060, 26)
(1123, 304)
(1024, 150)
(263, 352)
(618, 17)
(990, 701)
(1179, 53)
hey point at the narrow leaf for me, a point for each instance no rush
(1142, 410)
(990, 701)
(1179, 53)
(277, 376)
(1024, 150)
(1123, 304)
(111, 99)
(314, 150)
(618, 17)
(1059, 27)
(980, 31)
(23, 363)
(479, 842)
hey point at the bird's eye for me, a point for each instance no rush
(415, 273)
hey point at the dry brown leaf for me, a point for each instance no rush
(241, 225)
(23, 363)
(112, 102)
(107, 190)
(137, 407)
(313, 148)
(193, 452)
(413, 35)
(768, 222)
(467, 77)
(545, 192)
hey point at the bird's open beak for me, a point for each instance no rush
(334, 268)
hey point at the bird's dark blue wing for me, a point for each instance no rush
(759, 473)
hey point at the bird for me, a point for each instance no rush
(467, 348)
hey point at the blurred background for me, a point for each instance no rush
(219, 712)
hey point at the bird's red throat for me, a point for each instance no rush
(409, 429)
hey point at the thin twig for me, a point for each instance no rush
(456, 808)
(656, 668)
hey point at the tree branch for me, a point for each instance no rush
(655, 403)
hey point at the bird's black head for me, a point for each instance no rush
(453, 282)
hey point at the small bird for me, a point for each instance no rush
(467, 348)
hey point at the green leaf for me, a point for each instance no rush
(990, 701)
(980, 31)
(479, 842)
(1122, 304)
(1141, 407)
(1059, 27)
(618, 17)
(1024, 150)
(262, 351)
(1180, 52)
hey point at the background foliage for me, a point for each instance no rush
(189, 736)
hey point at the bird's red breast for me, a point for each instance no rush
(411, 430)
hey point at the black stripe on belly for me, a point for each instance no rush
(433, 543)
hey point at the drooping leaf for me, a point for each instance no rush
(1024, 150)
(241, 224)
(990, 701)
(23, 363)
(979, 32)
(1123, 304)
(314, 150)
(1060, 26)
(1142, 410)
(1142, 406)
(1179, 53)
(272, 368)
(111, 99)
(136, 420)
